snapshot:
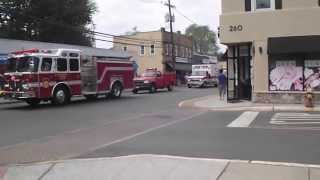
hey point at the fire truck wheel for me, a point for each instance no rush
(170, 88)
(116, 90)
(135, 91)
(33, 102)
(61, 96)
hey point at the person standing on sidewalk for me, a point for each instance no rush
(222, 84)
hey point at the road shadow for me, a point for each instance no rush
(74, 103)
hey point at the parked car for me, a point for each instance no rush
(152, 80)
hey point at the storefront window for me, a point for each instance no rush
(312, 74)
(286, 75)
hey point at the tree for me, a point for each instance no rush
(134, 31)
(58, 21)
(203, 38)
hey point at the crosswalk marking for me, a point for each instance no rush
(244, 120)
(295, 119)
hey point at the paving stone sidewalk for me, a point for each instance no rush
(146, 167)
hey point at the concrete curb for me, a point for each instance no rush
(2, 169)
(42, 169)
(192, 103)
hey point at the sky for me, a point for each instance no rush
(120, 16)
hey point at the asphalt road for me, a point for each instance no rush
(20, 123)
(151, 124)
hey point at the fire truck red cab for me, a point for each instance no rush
(59, 74)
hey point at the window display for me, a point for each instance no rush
(312, 74)
(286, 76)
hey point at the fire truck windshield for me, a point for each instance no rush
(23, 64)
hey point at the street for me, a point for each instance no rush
(154, 124)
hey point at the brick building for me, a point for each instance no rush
(154, 50)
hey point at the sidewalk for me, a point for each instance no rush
(213, 103)
(150, 167)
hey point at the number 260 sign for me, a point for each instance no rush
(236, 28)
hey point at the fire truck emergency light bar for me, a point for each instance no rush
(26, 51)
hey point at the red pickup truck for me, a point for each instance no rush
(152, 80)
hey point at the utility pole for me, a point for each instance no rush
(172, 35)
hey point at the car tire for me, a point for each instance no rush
(189, 86)
(61, 96)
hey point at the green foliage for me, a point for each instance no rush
(134, 31)
(58, 21)
(203, 38)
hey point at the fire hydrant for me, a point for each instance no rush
(308, 99)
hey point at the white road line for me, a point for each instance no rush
(295, 119)
(244, 120)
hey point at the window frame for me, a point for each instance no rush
(142, 48)
(152, 50)
(167, 49)
(67, 70)
(52, 64)
(177, 51)
(69, 65)
(254, 6)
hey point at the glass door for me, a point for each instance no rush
(239, 72)
(232, 74)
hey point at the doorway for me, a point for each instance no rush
(239, 66)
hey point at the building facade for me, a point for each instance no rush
(273, 49)
(154, 50)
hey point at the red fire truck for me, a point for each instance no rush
(59, 74)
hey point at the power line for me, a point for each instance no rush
(123, 43)
(186, 17)
(124, 37)
(107, 35)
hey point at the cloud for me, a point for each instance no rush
(120, 16)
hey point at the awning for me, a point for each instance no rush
(183, 67)
(295, 44)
